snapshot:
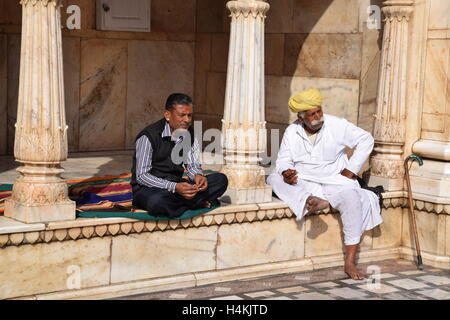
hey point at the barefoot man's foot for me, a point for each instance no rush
(353, 272)
(204, 204)
(314, 204)
(350, 265)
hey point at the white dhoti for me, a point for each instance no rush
(359, 208)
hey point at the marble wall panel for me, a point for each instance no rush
(211, 16)
(275, 130)
(389, 233)
(159, 254)
(326, 16)
(173, 16)
(59, 265)
(280, 17)
(447, 236)
(103, 94)
(439, 17)
(431, 232)
(260, 242)
(215, 93)
(219, 52)
(370, 65)
(202, 66)
(436, 98)
(3, 93)
(71, 62)
(341, 97)
(274, 53)
(368, 96)
(323, 55)
(13, 87)
(156, 69)
(11, 12)
(323, 235)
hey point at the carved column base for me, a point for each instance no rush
(431, 182)
(42, 213)
(246, 196)
(387, 172)
(246, 184)
(40, 195)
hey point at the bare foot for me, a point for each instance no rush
(205, 204)
(314, 204)
(353, 272)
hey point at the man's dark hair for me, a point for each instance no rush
(178, 99)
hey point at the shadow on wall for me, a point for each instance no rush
(289, 55)
(324, 44)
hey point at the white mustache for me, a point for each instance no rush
(317, 122)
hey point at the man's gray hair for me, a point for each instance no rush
(301, 114)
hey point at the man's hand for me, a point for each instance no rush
(290, 176)
(186, 190)
(201, 182)
(348, 174)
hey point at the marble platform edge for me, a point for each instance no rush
(429, 259)
(14, 233)
(196, 279)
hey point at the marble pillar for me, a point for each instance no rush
(244, 125)
(391, 116)
(39, 194)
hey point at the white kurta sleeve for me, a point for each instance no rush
(363, 141)
(284, 159)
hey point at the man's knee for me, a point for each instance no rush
(273, 179)
(218, 179)
(347, 196)
(156, 200)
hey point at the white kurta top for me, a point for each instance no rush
(327, 158)
(318, 169)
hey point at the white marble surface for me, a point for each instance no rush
(159, 254)
(156, 69)
(341, 97)
(72, 65)
(259, 242)
(42, 268)
(338, 16)
(3, 94)
(8, 225)
(103, 94)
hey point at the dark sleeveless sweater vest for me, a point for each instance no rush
(162, 164)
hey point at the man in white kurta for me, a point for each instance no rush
(314, 172)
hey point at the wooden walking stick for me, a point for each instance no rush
(411, 207)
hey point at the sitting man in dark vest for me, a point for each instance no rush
(161, 158)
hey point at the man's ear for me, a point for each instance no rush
(167, 115)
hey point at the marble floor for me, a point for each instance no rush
(387, 280)
(88, 165)
(78, 165)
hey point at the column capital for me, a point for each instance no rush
(398, 9)
(256, 8)
(45, 3)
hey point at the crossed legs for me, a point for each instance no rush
(165, 203)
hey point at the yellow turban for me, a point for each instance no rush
(305, 100)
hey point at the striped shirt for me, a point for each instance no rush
(144, 153)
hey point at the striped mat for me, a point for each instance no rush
(107, 197)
